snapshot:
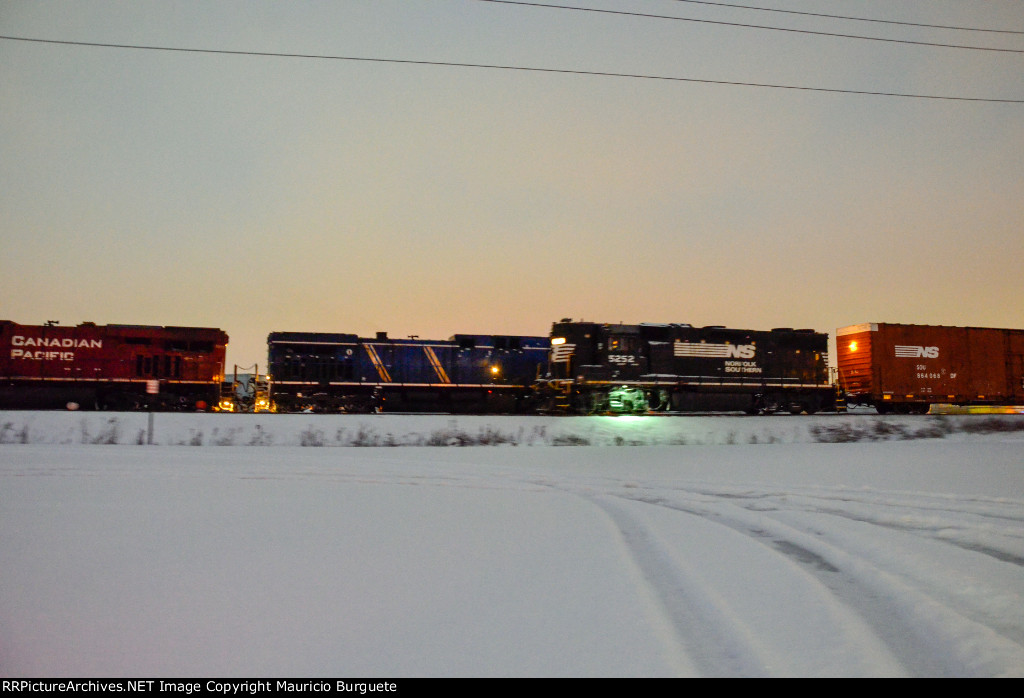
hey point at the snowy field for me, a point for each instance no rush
(267, 545)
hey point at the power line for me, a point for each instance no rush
(489, 66)
(854, 19)
(523, 3)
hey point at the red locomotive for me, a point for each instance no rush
(113, 367)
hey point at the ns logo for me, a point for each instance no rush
(704, 350)
(742, 351)
(915, 352)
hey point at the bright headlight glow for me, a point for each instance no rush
(555, 341)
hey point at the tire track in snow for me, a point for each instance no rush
(722, 608)
(930, 633)
(956, 556)
(928, 515)
(697, 640)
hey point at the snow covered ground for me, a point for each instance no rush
(711, 546)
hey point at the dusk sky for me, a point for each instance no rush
(261, 193)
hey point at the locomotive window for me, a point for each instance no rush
(656, 333)
(285, 369)
(506, 343)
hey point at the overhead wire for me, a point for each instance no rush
(853, 19)
(490, 66)
(626, 13)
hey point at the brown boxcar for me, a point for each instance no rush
(907, 368)
(110, 366)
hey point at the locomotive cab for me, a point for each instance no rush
(612, 357)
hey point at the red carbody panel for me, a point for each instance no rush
(895, 364)
(43, 365)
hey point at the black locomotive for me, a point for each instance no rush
(616, 368)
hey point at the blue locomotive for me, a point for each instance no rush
(326, 372)
(616, 368)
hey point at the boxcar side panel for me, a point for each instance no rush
(902, 365)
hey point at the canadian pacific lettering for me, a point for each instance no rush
(58, 342)
(43, 355)
(52, 344)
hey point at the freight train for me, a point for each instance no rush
(578, 368)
